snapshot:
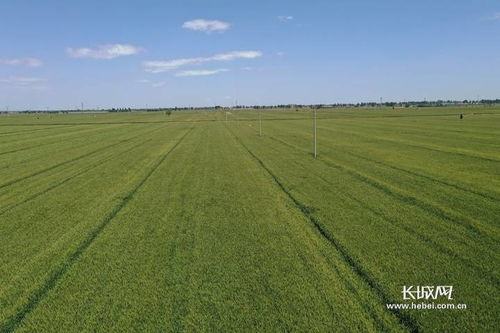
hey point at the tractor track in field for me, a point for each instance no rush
(402, 197)
(15, 320)
(418, 130)
(21, 149)
(32, 147)
(418, 146)
(348, 285)
(79, 173)
(14, 181)
(429, 178)
(410, 172)
(39, 172)
(403, 318)
(51, 136)
(29, 131)
(408, 229)
(418, 235)
(34, 158)
(56, 137)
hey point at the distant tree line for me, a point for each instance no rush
(297, 107)
(120, 110)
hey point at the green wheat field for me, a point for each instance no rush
(145, 221)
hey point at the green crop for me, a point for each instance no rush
(141, 222)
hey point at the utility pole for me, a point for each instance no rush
(82, 106)
(314, 136)
(260, 123)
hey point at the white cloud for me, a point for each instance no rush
(163, 66)
(202, 72)
(109, 51)
(206, 25)
(12, 62)
(30, 62)
(19, 81)
(153, 84)
(33, 62)
(280, 54)
(285, 18)
(235, 55)
(157, 84)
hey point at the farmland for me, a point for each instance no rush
(148, 222)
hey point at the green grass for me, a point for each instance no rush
(148, 222)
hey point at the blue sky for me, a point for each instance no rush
(58, 54)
